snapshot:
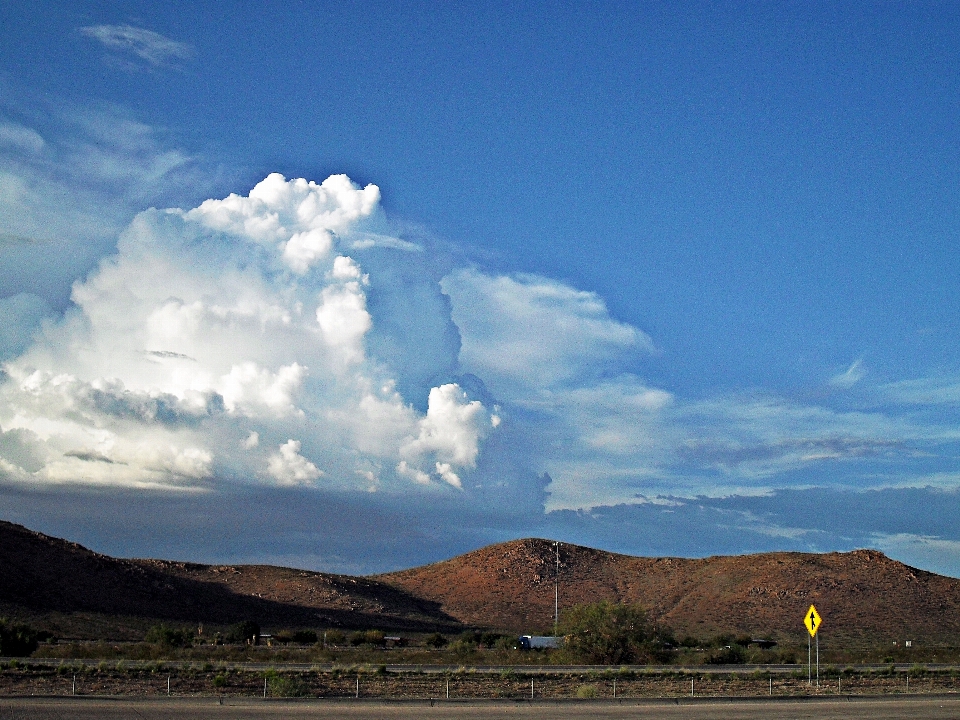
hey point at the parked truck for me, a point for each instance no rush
(538, 642)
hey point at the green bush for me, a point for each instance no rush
(366, 637)
(170, 637)
(463, 647)
(286, 686)
(469, 637)
(435, 640)
(607, 633)
(730, 655)
(335, 637)
(587, 692)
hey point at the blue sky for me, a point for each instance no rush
(655, 278)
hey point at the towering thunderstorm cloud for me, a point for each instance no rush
(281, 338)
(289, 338)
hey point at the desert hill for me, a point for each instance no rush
(861, 595)
(64, 587)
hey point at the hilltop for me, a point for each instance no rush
(861, 594)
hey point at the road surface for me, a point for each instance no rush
(915, 708)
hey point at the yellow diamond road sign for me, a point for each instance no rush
(812, 621)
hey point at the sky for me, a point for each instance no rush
(360, 286)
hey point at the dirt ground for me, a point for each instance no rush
(113, 681)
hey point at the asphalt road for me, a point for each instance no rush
(916, 708)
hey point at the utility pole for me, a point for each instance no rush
(556, 590)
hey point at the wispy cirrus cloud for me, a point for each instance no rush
(70, 179)
(147, 45)
(932, 391)
(849, 377)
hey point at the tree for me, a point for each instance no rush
(607, 633)
(243, 632)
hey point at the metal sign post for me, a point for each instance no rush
(812, 620)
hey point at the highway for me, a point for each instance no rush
(841, 708)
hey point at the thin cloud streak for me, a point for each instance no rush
(145, 44)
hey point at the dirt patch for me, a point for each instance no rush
(65, 680)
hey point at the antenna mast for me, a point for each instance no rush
(556, 591)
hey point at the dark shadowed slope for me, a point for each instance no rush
(79, 592)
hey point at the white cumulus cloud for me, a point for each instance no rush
(238, 342)
(289, 467)
(530, 331)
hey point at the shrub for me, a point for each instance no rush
(305, 637)
(469, 637)
(366, 637)
(435, 640)
(587, 692)
(787, 657)
(286, 686)
(170, 637)
(489, 639)
(720, 641)
(335, 637)
(730, 655)
(17, 640)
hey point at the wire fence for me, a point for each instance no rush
(93, 680)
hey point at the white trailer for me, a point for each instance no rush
(538, 642)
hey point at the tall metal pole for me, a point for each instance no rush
(556, 591)
(818, 660)
(809, 678)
